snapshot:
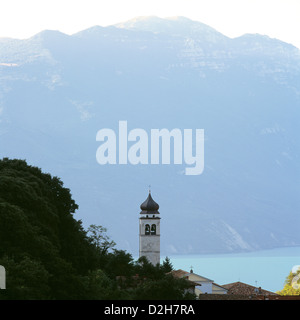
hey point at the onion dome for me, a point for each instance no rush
(149, 206)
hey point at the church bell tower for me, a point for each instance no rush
(149, 234)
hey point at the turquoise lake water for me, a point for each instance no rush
(267, 269)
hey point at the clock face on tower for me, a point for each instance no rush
(148, 246)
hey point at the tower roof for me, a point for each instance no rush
(149, 206)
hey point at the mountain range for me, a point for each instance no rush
(58, 90)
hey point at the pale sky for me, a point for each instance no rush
(276, 18)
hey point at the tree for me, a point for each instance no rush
(119, 263)
(48, 255)
(156, 284)
(165, 288)
(99, 238)
(27, 278)
(99, 286)
(167, 265)
(38, 231)
(292, 284)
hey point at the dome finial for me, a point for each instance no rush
(149, 205)
(149, 188)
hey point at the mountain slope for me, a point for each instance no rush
(57, 91)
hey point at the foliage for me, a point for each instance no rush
(38, 231)
(292, 284)
(167, 265)
(156, 284)
(26, 278)
(48, 255)
(99, 238)
(164, 288)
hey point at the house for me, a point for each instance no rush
(202, 285)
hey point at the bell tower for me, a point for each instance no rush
(149, 234)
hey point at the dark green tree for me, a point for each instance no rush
(48, 255)
(167, 265)
(38, 230)
(165, 288)
(26, 279)
(99, 238)
(119, 263)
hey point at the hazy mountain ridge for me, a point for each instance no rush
(58, 90)
(197, 45)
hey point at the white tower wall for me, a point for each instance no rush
(150, 243)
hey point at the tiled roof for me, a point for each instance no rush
(241, 288)
(179, 273)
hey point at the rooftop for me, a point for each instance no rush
(240, 288)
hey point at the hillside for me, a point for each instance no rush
(58, 90)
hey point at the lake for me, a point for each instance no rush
(267, 269)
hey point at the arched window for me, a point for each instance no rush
(153, 229)
(147, 229)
